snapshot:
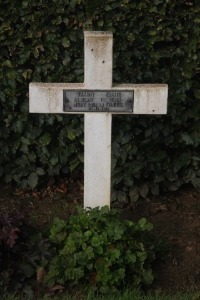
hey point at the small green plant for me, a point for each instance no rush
(97, 249)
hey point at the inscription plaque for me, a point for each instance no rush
(98, 101)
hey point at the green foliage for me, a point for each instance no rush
(42, 42)
(97, 249)
(125, 295)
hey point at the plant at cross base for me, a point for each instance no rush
(97, 249)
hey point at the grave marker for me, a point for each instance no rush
(97, 98)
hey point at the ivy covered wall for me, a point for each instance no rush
(155, 41)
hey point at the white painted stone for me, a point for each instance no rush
(48, 98)
(148, 98)
(97, 159)
(98, 49)
(97, 152)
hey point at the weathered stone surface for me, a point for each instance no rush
(148, 98)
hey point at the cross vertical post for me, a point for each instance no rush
(97, 141)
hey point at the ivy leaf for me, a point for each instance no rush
(196, 182)
(74, 164)
(53, 160)
(96, 241)
(71, 134)
(121, 197)
(144, 190)
(33, 180)
(65, 42)
(100, 22)
(45, 139)
(187, 139)
(152, 32)
(7, 63)
(197, 93)
(197, 20)
(148, 277)
(142, 222)
(154, 189)
(40, 171)
(133, 193)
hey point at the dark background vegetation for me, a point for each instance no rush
(155, 41)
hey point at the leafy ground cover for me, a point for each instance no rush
(127, 295)
(175, 217)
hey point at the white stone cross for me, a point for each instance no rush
(97, 98)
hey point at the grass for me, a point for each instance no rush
(132, 295)
(127, 295)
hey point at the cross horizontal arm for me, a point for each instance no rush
(48, 97)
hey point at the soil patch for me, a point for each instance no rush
(176, 220)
